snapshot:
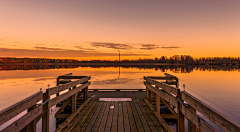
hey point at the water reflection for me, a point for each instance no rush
(162, 68)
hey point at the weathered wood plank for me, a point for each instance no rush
(114, 127)
(109, 119)
(168, 106)
(104, 118)
(94, 117)
(12, 111)
(24, 121)
(169, 75)
(70, 118)
(82, 123)
(136, 117)
(169, 89)
(197, 120)
(158, 103)
(64, 81)
(149, 122)
(126, 118)
(220, 120)
(31, 127)
(131, 118)
(66, 95)
(62, 87)
(191, 126)
(120, 117)
(71, 77)
(161, 120)
(62, 107)
(74, 102)
(180, 116)
(169, 116)
(99, 117)
(172, 100)
(121, 90)
(161, 77)
(156, 126)
(89, 117)
(80, 117)
(62, 116)
(141, 117)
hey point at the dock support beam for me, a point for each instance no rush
(180, 119)
(191, 126)
(45, 117)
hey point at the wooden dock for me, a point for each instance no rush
(80, 110)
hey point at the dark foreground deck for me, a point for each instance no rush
(124, 116)
(80, 109)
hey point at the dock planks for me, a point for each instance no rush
(132, 116)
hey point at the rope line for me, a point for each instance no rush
(213, 103)
(181, 102)
(44, 102)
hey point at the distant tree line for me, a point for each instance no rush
(162, 68)
(35, 60)
(176, 59)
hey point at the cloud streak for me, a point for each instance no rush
(81, 48)
(117, 46)
(149, 46)
(171, 47)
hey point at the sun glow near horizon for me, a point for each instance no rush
(86, 30)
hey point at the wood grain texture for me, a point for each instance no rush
(213, 115)
(169, 89)
(172, 100)
(24, 121)
(66, 95)
(197, 120)
(12, 111)
(62, 87)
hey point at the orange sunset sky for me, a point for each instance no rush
(86, 30)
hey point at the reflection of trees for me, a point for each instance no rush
(176, 59)
(163, 68)
(34, 67)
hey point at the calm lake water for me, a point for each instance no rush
(219, 85)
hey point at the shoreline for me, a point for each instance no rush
(89, 64)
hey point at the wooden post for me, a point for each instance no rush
(45, 117)
(180, 119)
(176, 82)
(31, 127)
(74, 101)
(85, 93)
(158, 104)
(191, 126)
(147, 93)
(57, 85)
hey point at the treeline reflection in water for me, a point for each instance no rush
(163, 68)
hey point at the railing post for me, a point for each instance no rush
(57, 85)
(180, 116)
(191, 126)
(45, 117)
(85, 93)
(74, 101)
(147, 93)
(158, 104)
(31, 127)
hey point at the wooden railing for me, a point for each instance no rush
(183, 105)
(37, 111)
